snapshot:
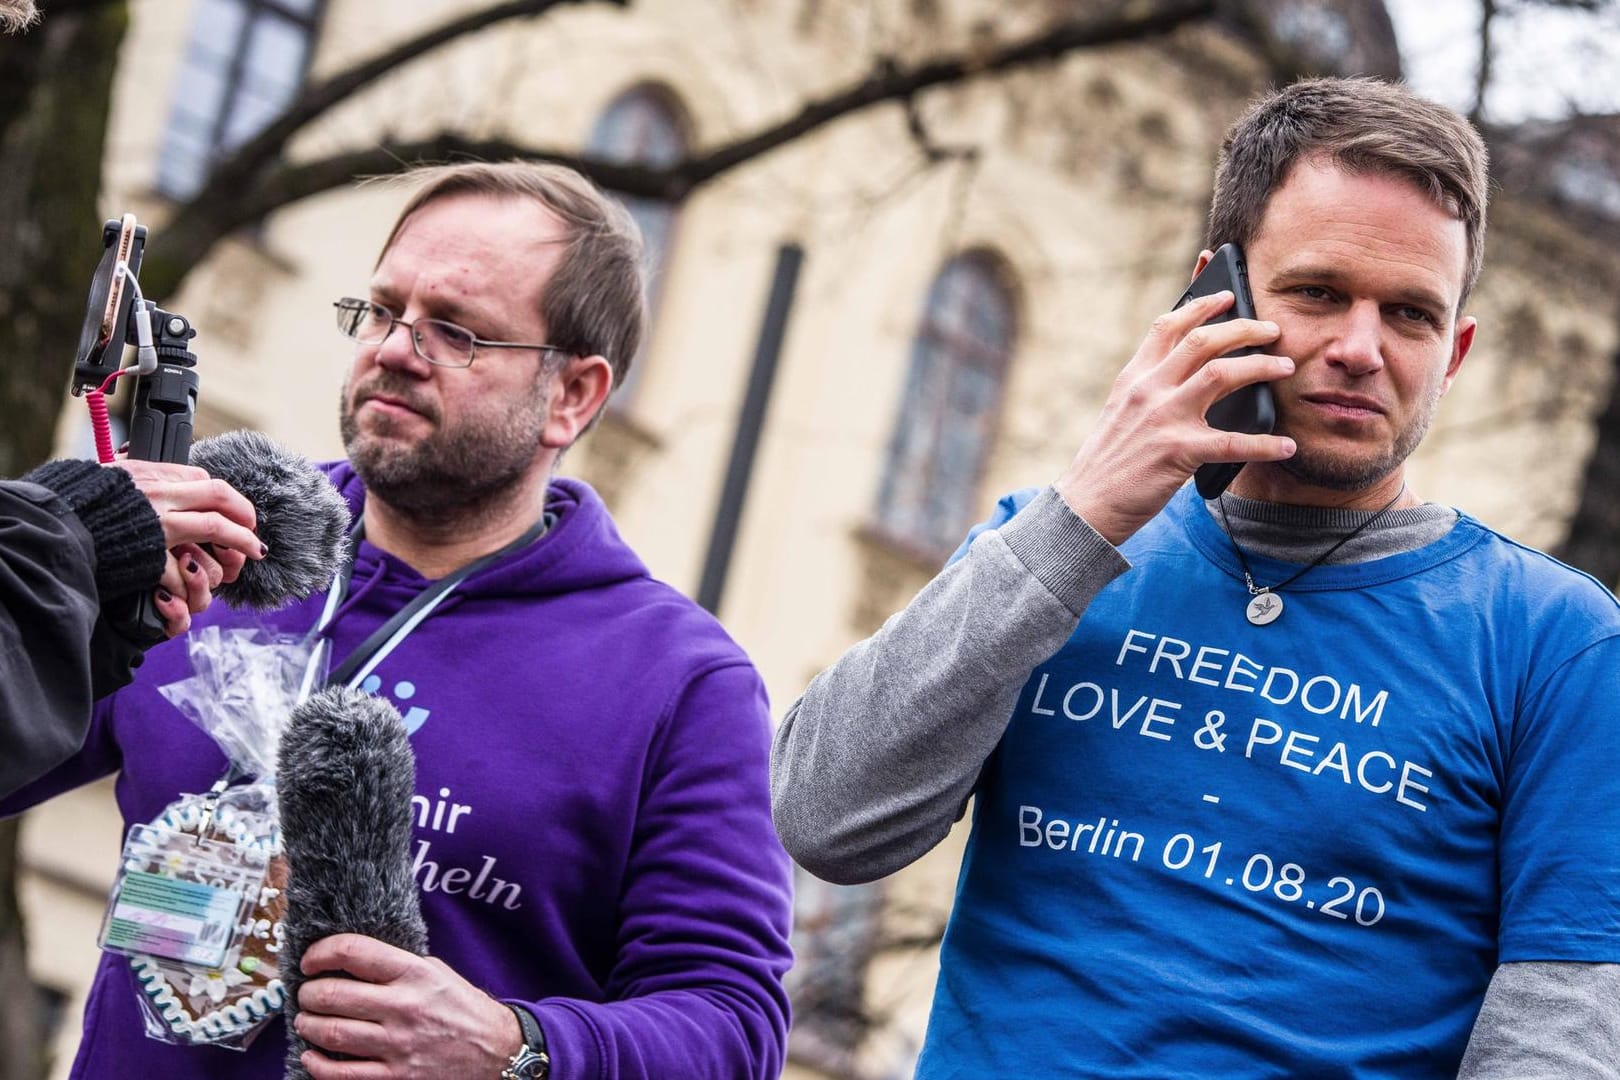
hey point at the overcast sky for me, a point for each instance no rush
(1545, 60)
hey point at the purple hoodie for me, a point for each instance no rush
(592, 750)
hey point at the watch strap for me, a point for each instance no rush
(531, 1062)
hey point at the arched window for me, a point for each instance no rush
(643, 126)
(948, 414)
(245, 61)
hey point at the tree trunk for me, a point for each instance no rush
(22, 1043)
(1593, 543)
(55, 89)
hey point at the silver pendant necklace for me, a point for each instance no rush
(1265, 605)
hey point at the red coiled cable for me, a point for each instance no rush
(97, 400)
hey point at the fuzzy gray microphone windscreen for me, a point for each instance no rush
(345, 776)
(301, 518)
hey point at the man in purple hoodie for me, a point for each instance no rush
(603, 890)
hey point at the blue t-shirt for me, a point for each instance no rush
(1210, 849)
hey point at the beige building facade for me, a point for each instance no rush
(953, 330)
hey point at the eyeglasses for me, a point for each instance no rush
(436, 341)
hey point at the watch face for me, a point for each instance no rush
(527, 1065)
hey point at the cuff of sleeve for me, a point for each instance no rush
(127, 533)
(113, 659)
(572, 1044)
(1065, 554)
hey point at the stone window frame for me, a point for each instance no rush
(960, 360)
(245, 62)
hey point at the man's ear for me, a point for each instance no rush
(1203, 261)
(1461, 341)
(578, 392)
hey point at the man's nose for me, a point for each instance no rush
(1358, 346)
(397, 350)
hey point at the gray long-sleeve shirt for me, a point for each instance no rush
(875, 762)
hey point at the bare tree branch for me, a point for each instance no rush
(933, 151)
(316, 98)
(216, 212)
(890, 81)
(251, 184)
(1590, 540)
(1482, 78)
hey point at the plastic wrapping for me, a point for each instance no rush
(243, 688)
(201, 890)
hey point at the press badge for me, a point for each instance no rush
(182, 896)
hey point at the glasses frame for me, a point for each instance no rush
(355, 305)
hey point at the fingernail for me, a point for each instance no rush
(164, 595)
(264, 549)
(192, 567)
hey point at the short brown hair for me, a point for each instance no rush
(1361, 125)
(595, 303)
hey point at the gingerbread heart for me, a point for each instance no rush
(226, 1005)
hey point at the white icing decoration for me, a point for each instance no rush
(249, 1010)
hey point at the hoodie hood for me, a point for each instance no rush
(581, 551)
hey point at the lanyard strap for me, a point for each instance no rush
(387, 637)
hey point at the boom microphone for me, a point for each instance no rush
(301, 518)
(345, 777)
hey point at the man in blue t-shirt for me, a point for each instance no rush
(1310, 778)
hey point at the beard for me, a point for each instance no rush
(463, 471)
(1322, 467)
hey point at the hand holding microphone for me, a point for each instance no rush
(345, 775)
(248, 520)
(195, 509)
(301, 519)
(354, 963)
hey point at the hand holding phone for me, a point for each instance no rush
(1155, 427)
(1251, 409)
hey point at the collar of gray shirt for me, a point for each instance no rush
(1298, 534)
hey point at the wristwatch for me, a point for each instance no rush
(531, 1062)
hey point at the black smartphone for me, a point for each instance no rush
(1252, 409)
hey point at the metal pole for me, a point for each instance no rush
(745, 446)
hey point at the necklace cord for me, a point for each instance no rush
(1248, 577)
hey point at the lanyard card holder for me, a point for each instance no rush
(181, 896)
(197, 907)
